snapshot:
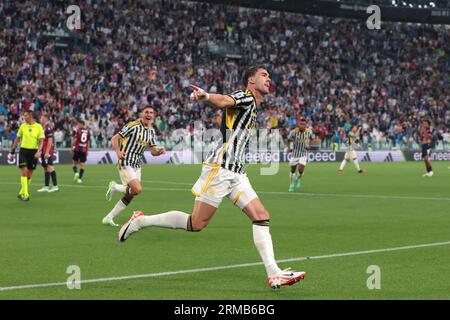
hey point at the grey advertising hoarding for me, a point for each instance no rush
(188, 157)
(414, 155)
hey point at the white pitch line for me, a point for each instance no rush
(234, 266)
(160, 181)
(373, 196)
(342, 195)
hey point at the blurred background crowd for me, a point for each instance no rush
(127, 54)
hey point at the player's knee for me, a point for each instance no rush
(262, 214)
(136, 190)
(197, 226)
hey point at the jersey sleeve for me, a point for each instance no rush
(20, 131)
(242, 100)
(152, 138)
(49, 132)
(290, 135)
(126, 130)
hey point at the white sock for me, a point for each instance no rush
(117, 209)
(292, 177)
(356, 163)
(120, 188)
(342, 164)
(263, 242)
(298, 175)
(171, 219)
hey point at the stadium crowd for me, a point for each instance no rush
(127, 54)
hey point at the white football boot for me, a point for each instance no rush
(285, 278)
(110, 191)
(109, 221)
(130, 227)
(54, 189)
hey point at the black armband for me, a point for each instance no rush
(13, 150)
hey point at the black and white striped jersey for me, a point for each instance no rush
(135, 138)
(351, 140)
(238, 124)
(301, 141)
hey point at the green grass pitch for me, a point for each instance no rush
(390, 206)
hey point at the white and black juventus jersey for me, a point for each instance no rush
(301, 141)
(238, 124)
(351, 139)
(135, 139)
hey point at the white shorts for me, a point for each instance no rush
(350, 154)
(295, 161)
(215, 183)
(128, 174)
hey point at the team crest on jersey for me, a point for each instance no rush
(239, 95)
(124, 130)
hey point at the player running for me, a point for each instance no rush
(426, 137)
(31, 137)
(47, 156)
(80, 147)
(134, 138)
(223, 175)
(353, 135)
(301, 138)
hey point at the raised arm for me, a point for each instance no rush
(216, 100)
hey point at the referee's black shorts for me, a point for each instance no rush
(27, 159)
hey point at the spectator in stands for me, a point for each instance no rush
(334, 71)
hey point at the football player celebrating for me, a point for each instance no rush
(130, 144)
(301, 138)
(223, 176)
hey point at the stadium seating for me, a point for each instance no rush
(335, 72)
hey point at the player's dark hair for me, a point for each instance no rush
(81, 122)
(30, 112)
(250, 72)
(427, 121)
(147, 107)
